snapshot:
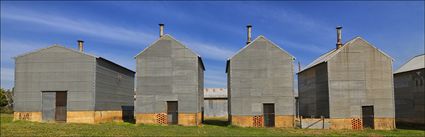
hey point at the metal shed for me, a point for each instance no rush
(61, 84)
(215, 103)
(260, 85)
(409, 91)
(351, 86)
(170, 80)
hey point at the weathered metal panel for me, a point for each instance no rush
(168, 71)
(48, 106)
(410, 96)
(54, 68)
(114, 86)
(260, 73)
(360, 75)
(313, 92)
(215, 107)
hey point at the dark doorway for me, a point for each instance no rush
(268, 110)
(172, 112)
(60, 113)
(368, 117)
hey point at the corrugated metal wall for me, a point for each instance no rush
(360, 75)
(54, 69)
(168, 71)
(114, 86)
(261, 73)
(313, 92)
(410, 96)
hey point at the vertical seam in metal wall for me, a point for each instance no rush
(329, 86)
(94, 86)
(392, 88)
(197, 99)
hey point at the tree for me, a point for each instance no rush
(5, 98)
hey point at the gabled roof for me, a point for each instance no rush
(75, 51)
(417, 62)
(330, 54)
(259, 37)
(55, 46)
(170, 37)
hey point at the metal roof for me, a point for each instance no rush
(259, 37)
(417, 62)
(73, 50)
(330, 54)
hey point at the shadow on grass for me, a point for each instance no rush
(216, 122)
(410, 126)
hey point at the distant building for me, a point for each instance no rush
(170, 83)
(61, 84)
(215, 103)
(409, 91)
(351, 85)
(260, 85)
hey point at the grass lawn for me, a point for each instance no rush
(211, 128)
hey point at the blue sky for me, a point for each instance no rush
(215, 30)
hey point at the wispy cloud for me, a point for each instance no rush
(215, 77)
(210, 51)
(12, 48)
(7, 77)
(308, 47)
(86, 27)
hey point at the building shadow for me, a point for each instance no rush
(216, 122)
(128, 114)
(410, 126)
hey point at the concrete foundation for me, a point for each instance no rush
(258, 121)
(30, 116)
(284, 121)
(184, 119)
(90, 117)
(384, 123)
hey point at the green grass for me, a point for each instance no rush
(214, 127)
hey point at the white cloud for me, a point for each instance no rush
(215, 77)
(305, 47)
(79, 26)
(209, 51)
(7, 77)
(13, 48)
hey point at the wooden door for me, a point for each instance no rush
(61, 99)
(172, 112)
(268, 110)
(367, 117)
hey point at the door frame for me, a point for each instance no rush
(372, 118)
(272, 120)
(66, 106)
(176, 113)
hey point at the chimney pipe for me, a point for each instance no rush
(249, 29)
(338, 37)
(80, 45)
(299, 66)
(161, 30)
